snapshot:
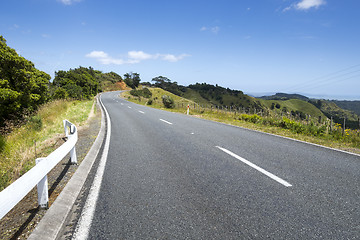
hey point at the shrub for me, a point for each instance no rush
(251, 118)
(149, 102)
(146, 93)
(168, 101)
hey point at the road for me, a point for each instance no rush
(172, 176)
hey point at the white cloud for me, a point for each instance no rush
(104, 58)
(68, 2)
(133, 57)
(305, 5)
(173, 58)
(139, 55)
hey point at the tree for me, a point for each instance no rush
(132, 79)
(79, 83)
(22, 86)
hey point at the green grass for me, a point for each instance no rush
(17, 153)
(309, 131)
(295, 105)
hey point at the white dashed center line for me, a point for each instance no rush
(165, 121)
(263, 171)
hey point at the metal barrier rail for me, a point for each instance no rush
(37, 175)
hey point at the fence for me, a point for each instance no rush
(37, 175)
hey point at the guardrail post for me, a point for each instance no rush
(42, 189)
(73, 157)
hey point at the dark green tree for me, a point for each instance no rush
(22, 86)
(132, 79)
(79, 83)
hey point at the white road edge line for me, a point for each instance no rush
(165, 121)
(263, 171)
(84, 224)
(141, 112)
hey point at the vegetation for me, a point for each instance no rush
(79, 83)
(285, 96)
(132, 79)
(145, 92)
(331, 110)
(38, 137)
(168, 101)
(23, 88)
(353, 106)
(287, 124)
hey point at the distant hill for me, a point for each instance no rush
(349, 105)
(281, 103)
(332, 110)
(295, 107)
(285, 96)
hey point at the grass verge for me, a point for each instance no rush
(349, 140)
(41, 134)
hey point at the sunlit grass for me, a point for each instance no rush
(18, 151)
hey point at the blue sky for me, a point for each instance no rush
(257, 46)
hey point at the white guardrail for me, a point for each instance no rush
(37, 175)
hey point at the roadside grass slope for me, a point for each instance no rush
(41, 134)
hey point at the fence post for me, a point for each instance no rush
(331, 124)
(42, 189)
(343, 132)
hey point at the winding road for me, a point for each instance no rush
(172, 176)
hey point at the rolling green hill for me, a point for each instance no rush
(331, 110)
(295, 106)
(281, 103)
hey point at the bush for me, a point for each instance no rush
(250, 118)
(149, 102)
(141, 93)
(168, 101)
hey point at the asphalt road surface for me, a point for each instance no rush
(172, 176)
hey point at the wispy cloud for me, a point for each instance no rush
(44, 35)
(305, 5)
(214, 30)
(133, 57)
(69, 2)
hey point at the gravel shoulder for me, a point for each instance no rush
(24, 217)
